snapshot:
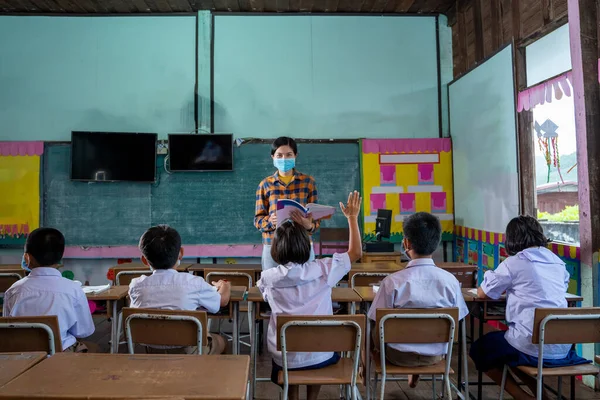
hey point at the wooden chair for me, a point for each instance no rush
(236, 278)
(39, 333)
(9, 278)
(336, 333)
(561, 326)
(125, 277)
(366, 278)
(466, 275)
(411, 326)
(178, 328)
(333, 236)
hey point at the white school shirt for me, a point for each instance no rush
(533, 278)
(168, 289)
(420, 285)
(46, 292)
(296, 289)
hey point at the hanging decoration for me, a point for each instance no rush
(548, 144)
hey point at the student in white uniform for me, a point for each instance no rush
(169, 289)
(532, 277)
(420, 285)
(298, 286)
(46, 292)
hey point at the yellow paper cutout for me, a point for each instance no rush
(20, 199)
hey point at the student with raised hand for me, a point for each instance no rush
(420, 285)
(169, 289)
(298, 286)
(45, 292)
(532, 277)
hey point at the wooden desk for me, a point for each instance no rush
(115, 299)
(253, 270)
(118, 376)
(14, 364)
(393, 257)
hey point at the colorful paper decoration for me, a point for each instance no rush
(407, 176)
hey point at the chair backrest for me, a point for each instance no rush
(329, 235)
(237, 278)
(161, 330)
(411, 328)
(313, 337)
(366, 278)
(567, 325)
(125, 277)
(7, 279)
(39, 333)
(466, 275)
(128, 267)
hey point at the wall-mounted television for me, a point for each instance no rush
(113, 156)
(201, 152)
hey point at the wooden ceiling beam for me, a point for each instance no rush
(478, 22)
(496, 22)
(403, 6)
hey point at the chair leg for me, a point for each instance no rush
(119, 329)
(504, 372)
(433, 387)
(559, 388)
(572, 388)
(374, 388)
(382, 386)
(448, 394)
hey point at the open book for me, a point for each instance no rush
(318, 211)
(95, 289)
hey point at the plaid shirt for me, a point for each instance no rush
(302, 188)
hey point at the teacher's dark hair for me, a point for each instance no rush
(46, 246)
(284, 141)
(160, 245)
(291, 244)
(522, 233)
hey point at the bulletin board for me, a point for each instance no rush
(407, 176)
(19, 185)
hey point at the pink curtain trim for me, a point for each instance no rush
(394, 146)
(21, 148)
(545, 92)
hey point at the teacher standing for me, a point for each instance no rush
(285, 183)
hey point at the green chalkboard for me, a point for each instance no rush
(206, 208)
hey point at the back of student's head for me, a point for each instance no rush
(522, 233)
(46, 246)
(161, 245)
(424, 233)
(291, 244)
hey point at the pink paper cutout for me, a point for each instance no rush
(395, 146)
(438, 202)
(388, 174)
(407, 203)
(21, 148)
(378, 201)
(425, 173)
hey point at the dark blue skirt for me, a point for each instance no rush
(493, 351)
(276, 368)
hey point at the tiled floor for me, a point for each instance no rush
(394, 390)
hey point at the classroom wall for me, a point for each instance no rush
(326, 76)
(60, 74)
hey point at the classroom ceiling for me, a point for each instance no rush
(186, 6)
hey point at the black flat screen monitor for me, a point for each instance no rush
(113, 157)
(383, 223)
(192, 152)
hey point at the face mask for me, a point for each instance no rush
(284, 164)
(24, 264)
(178, 263)
(405, 252)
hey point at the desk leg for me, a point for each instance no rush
(479, 372)
(459, 373)
(252, 350)
(235, 331)
(368, 360)
(114, 346)
(463, 339)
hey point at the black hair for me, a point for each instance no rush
(522, 233)
(46, 246)
(424, 233)
(291, 244)
(284, 141)
(160, 245)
